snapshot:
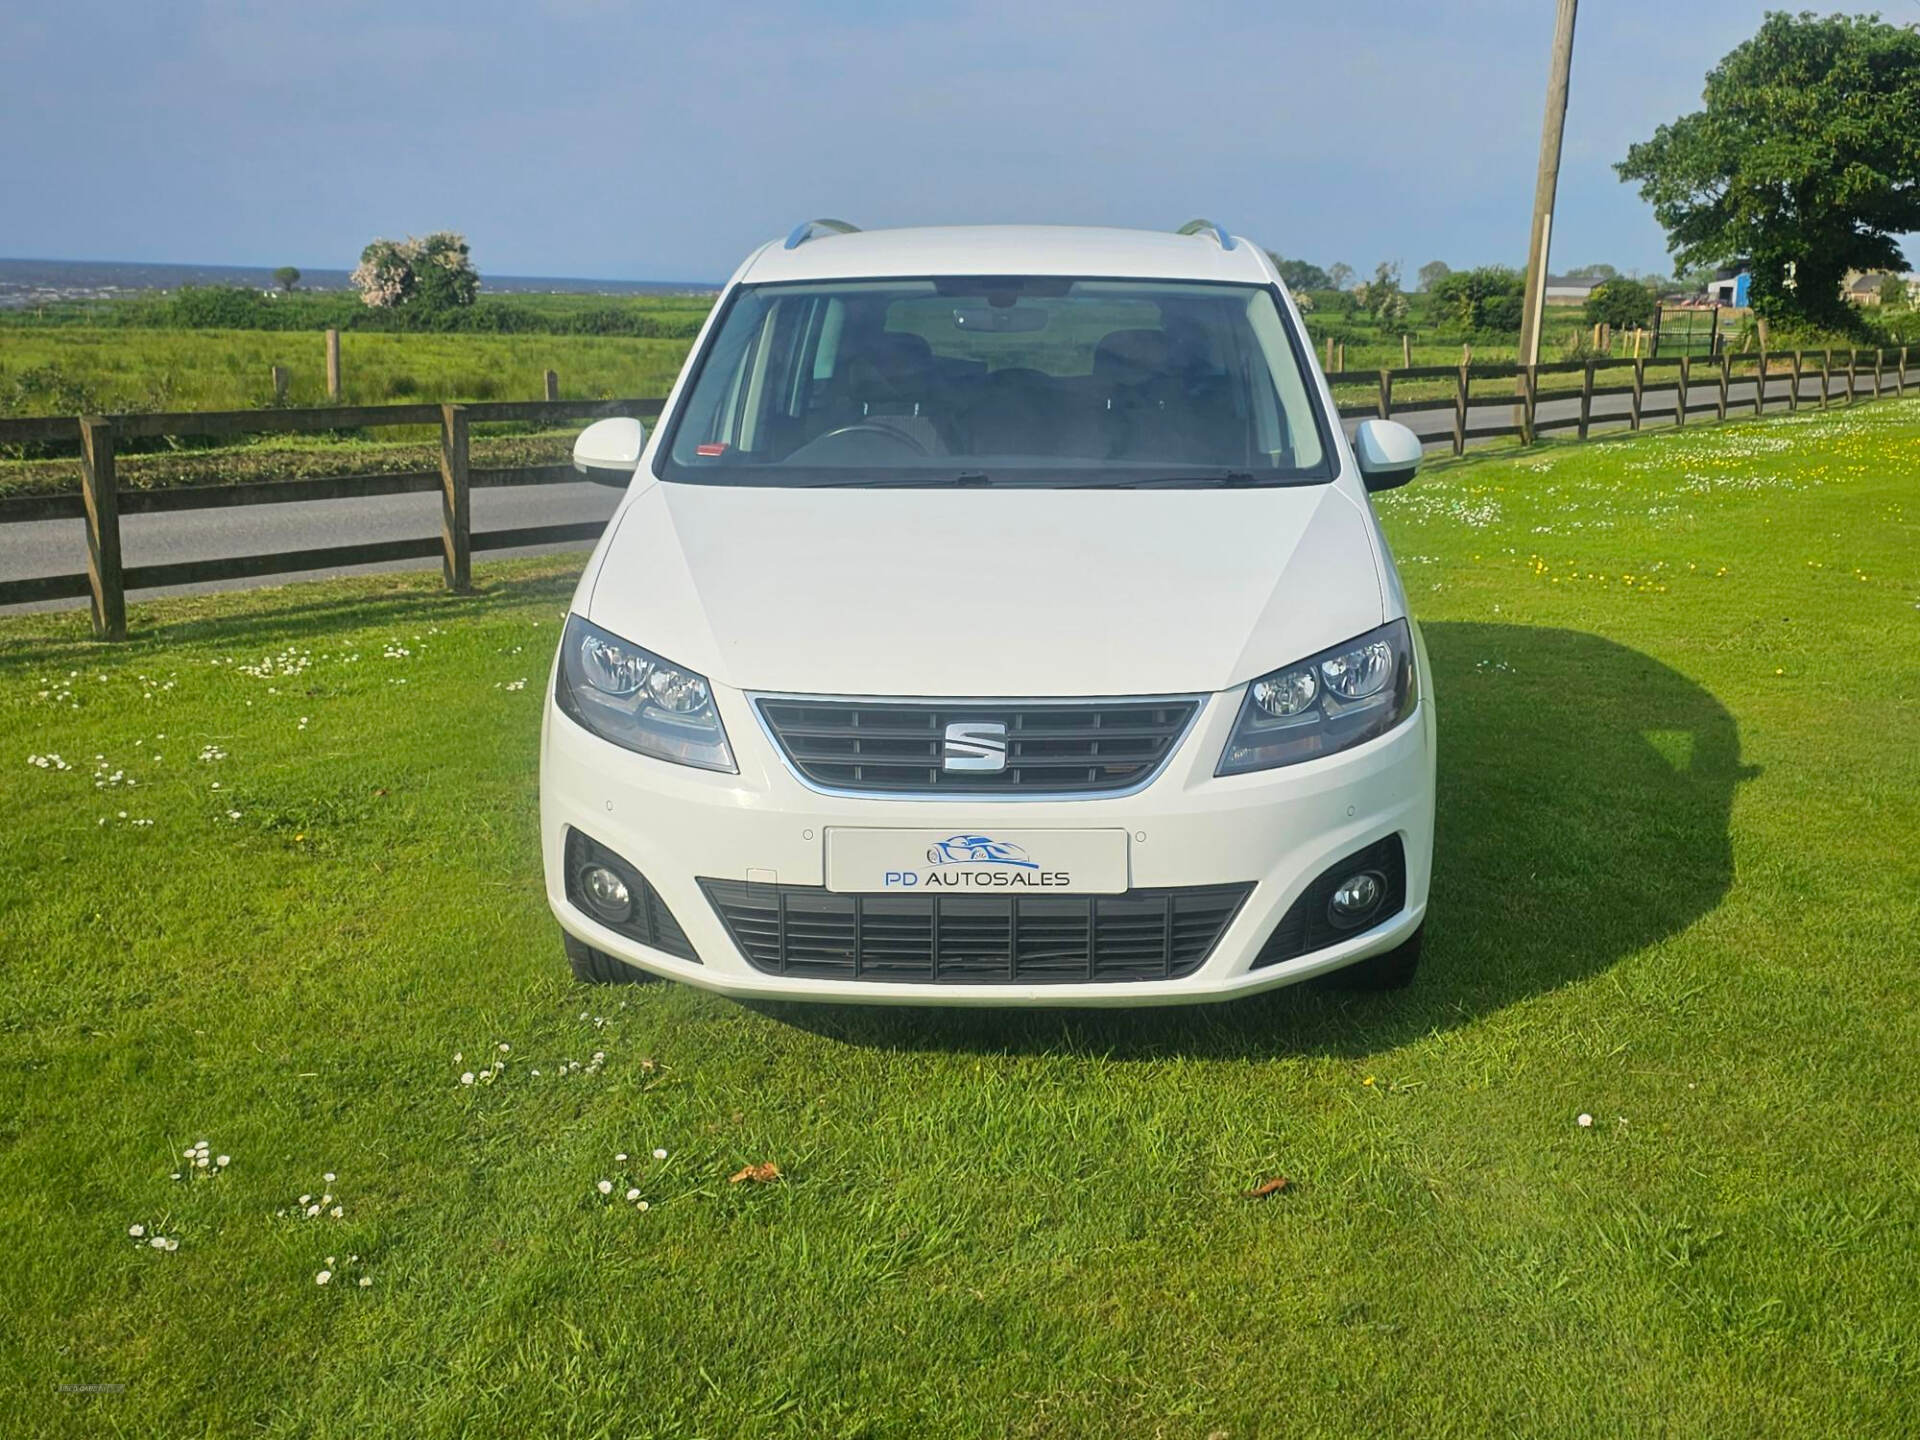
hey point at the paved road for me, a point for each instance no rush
(53, 547)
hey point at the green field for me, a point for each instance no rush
(72, 369)
(285, 892)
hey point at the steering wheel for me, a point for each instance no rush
(867, 427)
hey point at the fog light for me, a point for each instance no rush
(1355, 898)
(606, 893)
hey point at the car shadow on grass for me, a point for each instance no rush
(1584, 797)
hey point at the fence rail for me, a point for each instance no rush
(101, 502)
(1697, 386)
(1732, 384)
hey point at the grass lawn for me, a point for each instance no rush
(285, 892)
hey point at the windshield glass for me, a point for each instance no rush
(1039, 380)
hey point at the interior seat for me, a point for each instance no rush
(1028, 412)
(1159, 400)
(889, 382)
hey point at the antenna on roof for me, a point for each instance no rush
(1197, 227)
(804, 231)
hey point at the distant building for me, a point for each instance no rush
(1864, 290)
(1572, 289)
(1731, 285)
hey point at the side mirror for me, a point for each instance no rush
(1388, 453)
(608, 451)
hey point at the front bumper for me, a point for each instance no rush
(1277, 829)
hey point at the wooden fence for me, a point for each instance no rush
(101, 502)
(1671, 389)
(1525, 402)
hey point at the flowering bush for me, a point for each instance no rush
(434, 272)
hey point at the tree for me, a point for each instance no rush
(1300, 275)
(1592, 272)
(384, 276)
(286, 277)
(1489, 298)
(1339, 275)
(1805, 161)
(444, 277)
(1694, 279)
(433, 274)
(1432, 273)
(1381, 297)
(1893, 291)
(1623, 304)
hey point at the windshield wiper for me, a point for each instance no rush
(908, 481)
(1209, 480)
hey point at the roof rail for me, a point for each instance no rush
(1196, 227)
(804, 232)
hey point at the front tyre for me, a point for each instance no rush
(1390, 970)
(596, 967)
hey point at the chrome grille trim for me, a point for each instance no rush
(1173, 732)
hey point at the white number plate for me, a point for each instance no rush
(984, 861)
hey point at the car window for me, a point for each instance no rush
(1000, 379)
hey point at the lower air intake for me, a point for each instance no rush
(807, 932)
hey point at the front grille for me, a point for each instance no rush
(1307, 926)
(893, 746)
(651, 923)
(808, 932)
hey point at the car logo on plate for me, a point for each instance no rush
(979, 850)
(975, 745)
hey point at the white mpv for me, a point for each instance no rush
(995, 616)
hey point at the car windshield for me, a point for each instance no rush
(992, 380)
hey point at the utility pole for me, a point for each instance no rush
(1547, 183)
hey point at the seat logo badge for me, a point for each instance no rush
(975, 745)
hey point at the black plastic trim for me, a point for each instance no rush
(1306, 927)
(809, 932)
(651, 924)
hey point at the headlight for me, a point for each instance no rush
(1329, 702)
(637, 700)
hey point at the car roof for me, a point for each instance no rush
(1006, 250)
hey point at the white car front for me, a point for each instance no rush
(911, 671)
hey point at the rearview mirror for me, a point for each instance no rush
(1388, 453)
(608, 451)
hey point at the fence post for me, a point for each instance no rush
(1680, 391)
(1639, 386)
(280, 384)
(456, 518)
(1826, 376)
(1460, 411)
(1726, 383)
(333, 364)
(1760, 383)
(1340, 354)
(105, 580)
(1406, 351)
(1900, 375)
(1529, 379)
(1853, 368)
(1586, 398)
(1329, 354)
(553, 384)
(1793, 395)
(1877, 353)
(1386, 394)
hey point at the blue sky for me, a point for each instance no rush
(662, 141)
